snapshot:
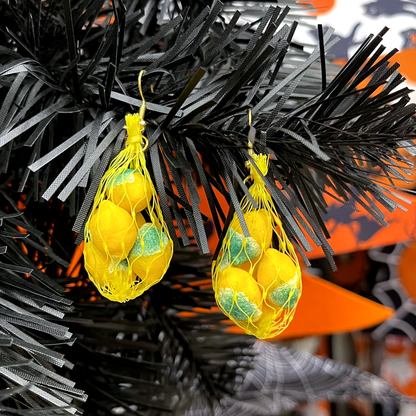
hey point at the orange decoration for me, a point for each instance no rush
(406, 59)
(406, 270)
(75, 260)
(357, 230)
(352, 269)
(399, 364)
(321, 6)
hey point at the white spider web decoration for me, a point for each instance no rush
(282, 379)
(389, 291)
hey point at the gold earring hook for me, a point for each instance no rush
(143, 106)
(249, 121)
(249, 143)
(250, 116)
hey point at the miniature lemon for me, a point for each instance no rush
(238, 294)
(278, 275)
(275, 267)
(151, 269)
(265, 325)
(139, 219)
(239, 249)
(259, 225)
(102, 267)
(151, 254)
(130, 190)
(112, 230)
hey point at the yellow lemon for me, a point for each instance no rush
(278, 275)
(130, 191)
(260, 226)
(112, 230)
(102, 267)
(265, 326)
(151, 254)
(238, 294)
(140, 221)
(151, 269)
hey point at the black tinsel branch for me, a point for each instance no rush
(30, 343)
(159, 352)
(69, 75)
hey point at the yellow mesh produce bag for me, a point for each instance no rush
(257, 279)
(127, 245)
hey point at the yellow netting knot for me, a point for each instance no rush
(135, 125)
(262, 162)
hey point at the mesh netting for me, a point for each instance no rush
(257, 279)
(127, 245)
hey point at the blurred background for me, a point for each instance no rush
(377, 262)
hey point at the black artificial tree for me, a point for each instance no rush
(68, 76)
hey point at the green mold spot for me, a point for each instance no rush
(150, 240)
(237, 254)
(240, 308)
(280, 296)
(126, 176)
